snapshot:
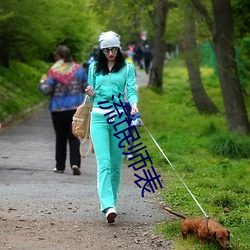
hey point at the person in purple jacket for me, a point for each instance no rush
(65, 83)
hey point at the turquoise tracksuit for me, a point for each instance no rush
(108, 154)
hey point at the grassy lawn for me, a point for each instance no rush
(19, 88)
(214, 164)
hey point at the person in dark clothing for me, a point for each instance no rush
(147, 54)
(138, 55)
(65, 83)
(93, 55)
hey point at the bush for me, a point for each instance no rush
(223, 200)
(231, 146)
(19, 88)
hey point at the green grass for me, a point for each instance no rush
(19, 88)
(214, 164)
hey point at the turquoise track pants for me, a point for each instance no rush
(108, 156)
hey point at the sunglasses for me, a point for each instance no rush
(106, 51)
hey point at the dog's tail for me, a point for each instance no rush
(175, 213)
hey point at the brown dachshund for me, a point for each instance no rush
(204, 229)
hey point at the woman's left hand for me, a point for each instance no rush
(134, 109)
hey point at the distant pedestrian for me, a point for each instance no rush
(147, 55)
(128, 59)
(108, 76)
(93, 55)
(65, 84)
(138, 55)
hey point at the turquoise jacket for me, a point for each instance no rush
(112, 84)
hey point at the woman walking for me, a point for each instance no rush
(109, 78)
(65, 84)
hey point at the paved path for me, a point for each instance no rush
(30, 190)
(141, 78)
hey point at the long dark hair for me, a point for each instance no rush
(102, 67)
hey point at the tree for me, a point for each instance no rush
(201, 99)
(242, 33)
(241, 17)
(28, 33)
(223, 38)
(159, 44)
(128, 18)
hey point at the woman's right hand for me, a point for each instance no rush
(134, 109)
(90, 91)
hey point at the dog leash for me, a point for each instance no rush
(174, 170)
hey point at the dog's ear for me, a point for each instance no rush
(214, 235)
(228, 237)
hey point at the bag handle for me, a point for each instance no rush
(85, 99)
(87, 137)
(91, 148)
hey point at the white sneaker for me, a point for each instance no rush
(111, 214)
(58, 171)
(129, 156)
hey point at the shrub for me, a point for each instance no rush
(223, 200)
(231, 146)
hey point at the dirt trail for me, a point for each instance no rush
(43, 210)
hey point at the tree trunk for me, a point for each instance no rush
(201, 99)
(159, 46)
(223, 38)
(235, 109)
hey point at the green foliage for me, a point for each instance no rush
(175, 28)
(128, 18)
(219, 183)
(175, 25)
(243, 59)
(241, 17)
(29, 33)
(224, 200)
(231, 146)
(170, 230)
(19, 87)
